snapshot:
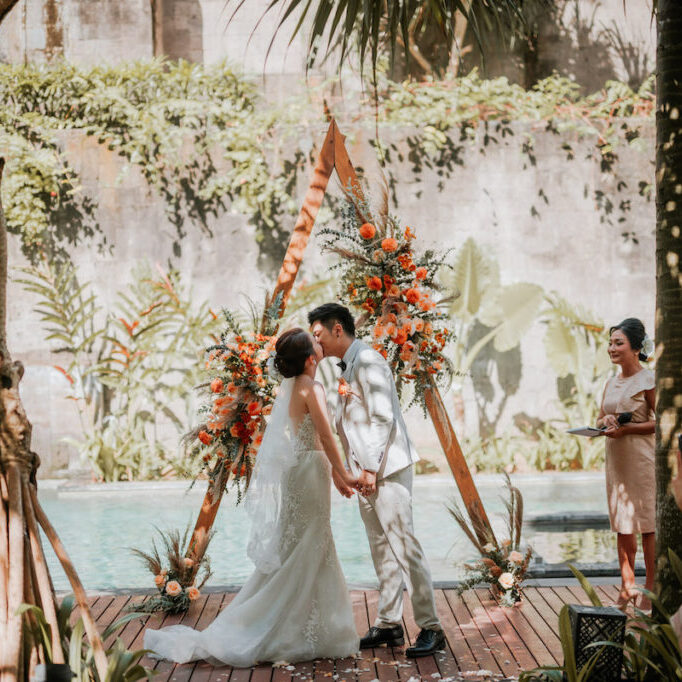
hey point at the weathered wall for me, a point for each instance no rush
(599, 39)
(563, 246)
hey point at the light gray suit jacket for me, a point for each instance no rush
(368, 419)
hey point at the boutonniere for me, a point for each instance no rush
(344, 388)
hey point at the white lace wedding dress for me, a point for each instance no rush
(298, 611)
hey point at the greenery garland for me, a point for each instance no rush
(205, 141)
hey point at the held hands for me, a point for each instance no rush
(344, 484)
(367, 483)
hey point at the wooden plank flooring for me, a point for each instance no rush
(480, 637)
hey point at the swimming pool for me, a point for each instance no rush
(99, 524)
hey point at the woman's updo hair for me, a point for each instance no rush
(634, 330)
(292, 349)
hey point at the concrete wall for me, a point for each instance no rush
(111, 31)
(565, 247)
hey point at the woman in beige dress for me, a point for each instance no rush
(630, 472)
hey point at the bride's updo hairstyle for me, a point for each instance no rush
(634, 330)
(292, 349)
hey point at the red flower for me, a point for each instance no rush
(254, 408)
(217, 385)
(420, 273)
(412, 295)
(367, 231)
(205, 437)
(374, 283)
(389, 244)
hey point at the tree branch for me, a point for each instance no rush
(6, 8)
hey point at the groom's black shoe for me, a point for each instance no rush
(393, 636)
(428, 642)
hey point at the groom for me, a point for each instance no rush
(379, 452)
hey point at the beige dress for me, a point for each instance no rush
(630, 471)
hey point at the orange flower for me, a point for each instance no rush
(231, 388)
(239, 471)
(374, 283)
(236, 430)
(192, 593)
(159, 580)
(390, 329)
(400, 337)
(369, 305)
(418, 324)
(254, 408)
(388, 280)
(389, 244)
(344, 387)
(173, 588)
(428, 329)
(378, 331)
(258, 439)
(409, 234)
(367, 231)
(267, 409)
(412, 295)
(217, 385)
(205, 437)
(393, 290)
(420, 273)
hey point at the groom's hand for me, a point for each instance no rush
(341, 486)
(367, 483)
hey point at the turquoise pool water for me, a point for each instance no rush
(99, 524)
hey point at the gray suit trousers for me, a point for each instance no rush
(397, 555)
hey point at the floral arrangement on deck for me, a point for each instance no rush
(502, 565)
(238, 397)
(396, 289)
(179, 578)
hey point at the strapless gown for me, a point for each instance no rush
(299, 612)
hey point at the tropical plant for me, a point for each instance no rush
(178, 577)
(123, 665)
(651, 646)
(378, 28)
(488, 321)
(131, 370)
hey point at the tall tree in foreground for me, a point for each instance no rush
(668, 289)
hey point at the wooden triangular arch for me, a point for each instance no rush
(334, 156)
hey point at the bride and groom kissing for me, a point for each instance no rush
(295, 606)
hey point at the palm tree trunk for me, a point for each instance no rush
(668, 290)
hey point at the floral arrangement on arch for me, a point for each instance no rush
(502, 565)
(237, 399)
(396, 289)
(178, 578)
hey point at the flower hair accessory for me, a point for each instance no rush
(273, 372)
(647, 347)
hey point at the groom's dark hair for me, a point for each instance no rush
(329, 314)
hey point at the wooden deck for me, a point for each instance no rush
(481, 637)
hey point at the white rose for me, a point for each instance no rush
(515, 557)
(506, 580)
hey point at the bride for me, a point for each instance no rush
(295, 606)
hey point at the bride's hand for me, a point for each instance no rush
(342, 486)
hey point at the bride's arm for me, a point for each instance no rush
(317, 406)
